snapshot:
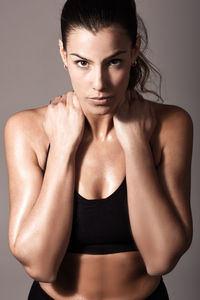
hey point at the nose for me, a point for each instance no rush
(99, 79)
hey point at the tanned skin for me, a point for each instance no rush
(148, 142)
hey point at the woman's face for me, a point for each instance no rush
(99, 66)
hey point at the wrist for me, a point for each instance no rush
(62, 150)
(139, 152)
(136, 145)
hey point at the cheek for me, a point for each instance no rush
(122, 79)
(74, 75)
(76, 78)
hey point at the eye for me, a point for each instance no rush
(116, 61)
(81, 63)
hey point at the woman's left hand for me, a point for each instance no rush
(134, 120)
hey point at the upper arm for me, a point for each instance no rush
(175, 168)
(24, 174)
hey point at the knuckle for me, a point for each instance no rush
(49, 106)
(69, 94)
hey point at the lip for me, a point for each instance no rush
(101, 100)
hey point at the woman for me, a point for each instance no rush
(99, 179)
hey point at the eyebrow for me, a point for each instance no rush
(111, 56)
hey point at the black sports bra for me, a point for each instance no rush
(101, 226)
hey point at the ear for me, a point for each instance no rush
(136, 49)
(62, 52)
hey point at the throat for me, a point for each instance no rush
(99, 128)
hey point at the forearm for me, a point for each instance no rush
(42, 242)
(155, 224)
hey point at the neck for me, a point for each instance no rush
(99, 127)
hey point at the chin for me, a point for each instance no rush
(100, 110)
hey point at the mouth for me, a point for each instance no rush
(103, 97)
(101, 100)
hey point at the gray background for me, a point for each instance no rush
(32, 73)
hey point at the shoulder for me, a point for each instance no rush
(26, 117)
(24, 136)
(172, 120)
(169, 111)
(26, 123)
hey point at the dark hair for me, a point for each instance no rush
(98, 14)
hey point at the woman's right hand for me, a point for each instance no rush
(65, 121)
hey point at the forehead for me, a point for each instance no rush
(105, 40)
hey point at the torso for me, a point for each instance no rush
(102, 277)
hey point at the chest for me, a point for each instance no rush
(101, 168)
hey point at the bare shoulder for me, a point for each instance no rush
(26, 124)
(25, 118)
(172, 119)
(25, 137)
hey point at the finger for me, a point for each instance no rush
(69, 100)
(75, 100)
(63, 99)
(56, 100)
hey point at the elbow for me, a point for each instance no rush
(160, 269)
(37, 269)
(39, 275)
(164, 265)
